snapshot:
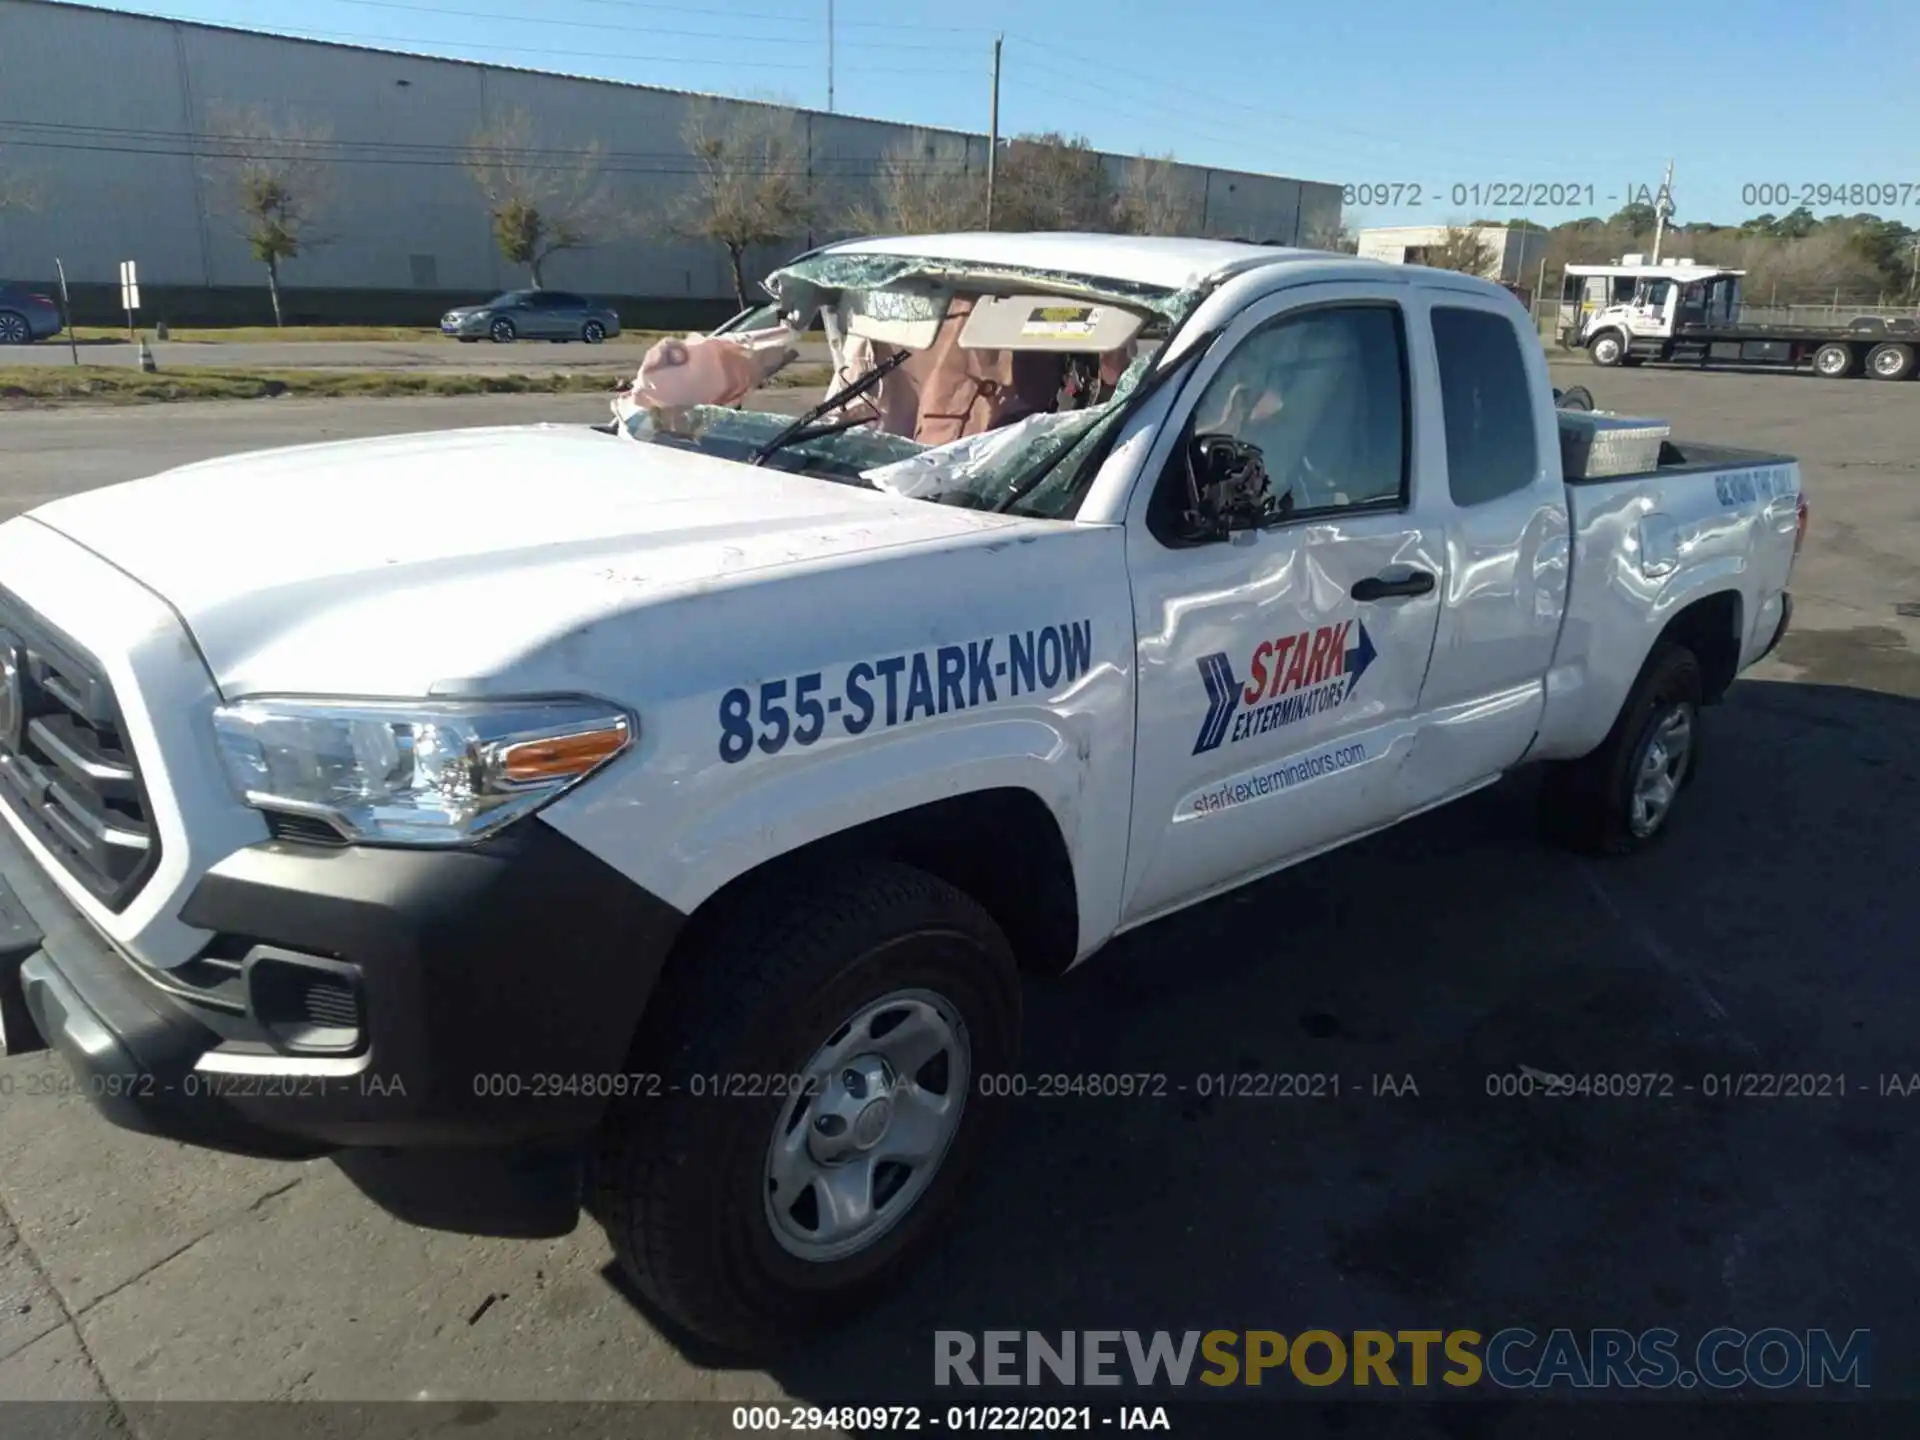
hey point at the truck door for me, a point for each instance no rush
(1507, 546)
(1649, 316)
(1279, 668)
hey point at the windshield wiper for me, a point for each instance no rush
(800, 428)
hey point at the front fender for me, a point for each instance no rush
(786, 807)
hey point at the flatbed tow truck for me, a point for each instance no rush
(1679, 312)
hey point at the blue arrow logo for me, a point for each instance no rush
(1360, 655)
(1223, 697)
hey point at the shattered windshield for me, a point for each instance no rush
(945, 383)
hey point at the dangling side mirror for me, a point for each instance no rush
(1227, 488)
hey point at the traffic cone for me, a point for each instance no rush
(147, 367)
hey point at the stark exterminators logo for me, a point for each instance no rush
(1289, 678)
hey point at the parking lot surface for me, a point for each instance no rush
(1772, 932)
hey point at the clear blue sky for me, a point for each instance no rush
(1393, 92)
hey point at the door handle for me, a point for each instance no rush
(1378, 587)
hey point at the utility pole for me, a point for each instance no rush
(1662, 208)
(993, 131)
(829, 57)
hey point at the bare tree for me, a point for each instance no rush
(750, 184)
(276, 182)
(922, 187)
(1461, 248)
(539, 202)
(1330, 234)
(1155, 199)
(1051, 182)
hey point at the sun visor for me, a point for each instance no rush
(1047, 322)
(906, 319)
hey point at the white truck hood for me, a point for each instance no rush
(428, 564)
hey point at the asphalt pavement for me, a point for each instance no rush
(1773, 932)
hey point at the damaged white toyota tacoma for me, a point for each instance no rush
(658, 818)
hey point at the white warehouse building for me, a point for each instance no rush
(1514, 255)
(108, 119)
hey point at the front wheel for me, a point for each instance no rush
(1607, 348)
(593, 332)
(1620, 798)
(826, 1049)
(501, 332)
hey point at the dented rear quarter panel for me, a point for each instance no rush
(1010, 661)
(1644, 549)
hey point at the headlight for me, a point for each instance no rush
(415, 772)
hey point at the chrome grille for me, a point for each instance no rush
(65, 766)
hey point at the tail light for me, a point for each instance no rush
(1800, 525)
(43, 299)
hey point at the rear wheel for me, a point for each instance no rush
(1833, 362)
(18, 1033)
(1620, 798)
(1890, 362)
(14, 329)
(822, 1047)
(1607, 348)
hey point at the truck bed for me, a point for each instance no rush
(1687, 457)
(1741, 331)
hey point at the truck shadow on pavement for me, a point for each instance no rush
(1772, 931)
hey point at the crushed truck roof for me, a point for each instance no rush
(1168, 262)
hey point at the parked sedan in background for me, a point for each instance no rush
(533, 315)
(26, 315)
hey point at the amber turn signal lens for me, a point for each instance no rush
(560, 757)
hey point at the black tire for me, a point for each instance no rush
(1586, 805)
(593, 332)
(502, 331)
(679, 1182)
(1890, 361)
(1607, 348)
(1575, 397)
(18, 1033)
(1834, 361)
(14, 329)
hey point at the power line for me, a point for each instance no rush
(359, 39)
(218, 148)
(1215, 100)
(733, 37)
(544, 21)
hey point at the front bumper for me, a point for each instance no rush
(499, 989)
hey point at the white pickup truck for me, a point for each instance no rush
(662, 815)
